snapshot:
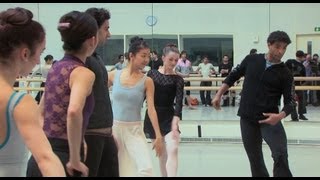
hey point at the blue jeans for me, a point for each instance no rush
(252, 135)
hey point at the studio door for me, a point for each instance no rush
(309, 43)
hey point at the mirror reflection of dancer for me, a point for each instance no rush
(266, 79)
(168, 87)
(130, 87)
(20, 130)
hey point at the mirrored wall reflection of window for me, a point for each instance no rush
(110, 50)
(157, 42)
(214, 46)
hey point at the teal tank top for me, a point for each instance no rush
(13, 149)
(127, 101)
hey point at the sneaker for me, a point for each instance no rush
(302, 117)
(296, 120)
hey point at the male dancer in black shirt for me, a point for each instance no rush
(102, 152)
(266, 79)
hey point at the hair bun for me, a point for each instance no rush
(171, 45)
(136, 39)
(16, 16)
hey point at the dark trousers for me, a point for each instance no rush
(252, 135)
(16, 84)
(102, 156)
(61, 148)
(205, 99)
(187, 83)
(301, 105)
(39, 94)
(314, 95)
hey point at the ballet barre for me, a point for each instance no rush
(241, 79)
(196, 88)
(208, 88)
(191, 88)
(28, 88)
(31, 79)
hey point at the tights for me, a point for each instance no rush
(169, 158)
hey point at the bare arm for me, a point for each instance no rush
(178, 106)
(41, 110)
(113, 68)
(81, 82)
(153, 115)
(216, 100)
(111, 78)
(198, 69)
(177, 70)
(180, 74)
(26, 117)
(213, 71)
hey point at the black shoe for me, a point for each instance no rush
(302, 117)
(295, 120)
(233, 103)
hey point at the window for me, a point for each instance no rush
(215, 46)
(110, 50)
(158, 42)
